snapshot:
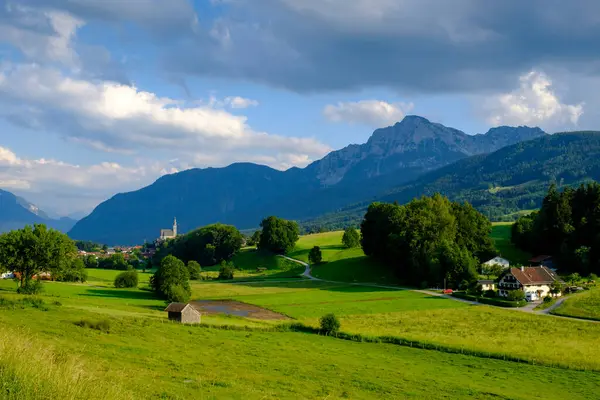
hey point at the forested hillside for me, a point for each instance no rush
(505, 182)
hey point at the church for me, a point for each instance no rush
(166, 234)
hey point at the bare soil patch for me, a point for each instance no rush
(231, 307)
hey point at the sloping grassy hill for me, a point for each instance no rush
(501, 234)
(339, 263)
(583, 305)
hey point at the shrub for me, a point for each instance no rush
(516, 295)
(226, 271)
(490, 293)
(330, 324)
(177, 294)
(34, 286)
(127, 279)
(102, 325)
(315, 256)
(194, 270)
(548, 299)
(351, 238)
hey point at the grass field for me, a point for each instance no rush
(584, 305)
(501, 236)
(420, 317)
(142, 355)
(341, 264)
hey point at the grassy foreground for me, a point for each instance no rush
(148, 358)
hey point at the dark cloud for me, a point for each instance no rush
(420, 45)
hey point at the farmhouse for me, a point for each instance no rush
(498, 261)
(166, 234)
(184, 313)
(536, 282)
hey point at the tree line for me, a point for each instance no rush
(429, 240)
(567, 227)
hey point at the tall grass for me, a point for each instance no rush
(29, 371)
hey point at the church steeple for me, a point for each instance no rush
(175, 227)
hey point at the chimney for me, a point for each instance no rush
(522, 269)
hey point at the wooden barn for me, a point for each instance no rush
(184, 313)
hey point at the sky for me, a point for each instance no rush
(99, 97)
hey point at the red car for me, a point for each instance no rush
(447, 291)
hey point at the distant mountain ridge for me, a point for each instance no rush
(242, 194)
(510, 180)
(16, 212)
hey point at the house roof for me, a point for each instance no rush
(539, 259)
(534, 275)
(485, 281)
(176, 307)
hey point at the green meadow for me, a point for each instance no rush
(501, 236)
(94, 341)
(583, 305)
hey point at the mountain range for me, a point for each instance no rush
(16, 212)
(242, 194)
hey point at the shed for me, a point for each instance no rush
(184, 313)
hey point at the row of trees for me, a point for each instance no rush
(209, 245)
(567, 227)
(35, 250)
(428, 240)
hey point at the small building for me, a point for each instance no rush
(542, 261)
(487, 284)
(503, 262)
(184, 313)
(166, 234)
(535, 280)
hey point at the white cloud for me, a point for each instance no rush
(533, 103)
(54, 183)
(240, 102)
(375, 113)
(113, 116)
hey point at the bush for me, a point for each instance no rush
(34, 286)
(490, 293)
(315, 256)
(516, 295)
(177, 294)
(127, 279)
(330, 324)
(226, 271)
(548, 299)
(194, 270)
(351, 238)
(102, 325)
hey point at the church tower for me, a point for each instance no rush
(175, 227)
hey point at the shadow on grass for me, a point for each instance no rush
(160, 308)
(121, 294)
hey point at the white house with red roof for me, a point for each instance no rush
(536, 282)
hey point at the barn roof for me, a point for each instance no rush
(176, 307)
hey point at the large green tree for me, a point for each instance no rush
(427, 240)
(278, 235)
(209, 245)
(351, 238)
(34, 250)
(171, 279)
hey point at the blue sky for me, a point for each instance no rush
(100, 97)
